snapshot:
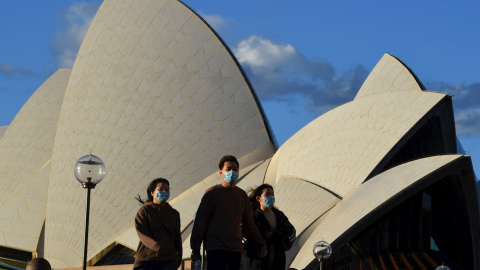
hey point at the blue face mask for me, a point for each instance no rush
(163, 195)
(269, 201)
(231, 177)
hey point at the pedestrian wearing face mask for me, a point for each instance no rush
(223, 211)
(278, 232)
(158, 227)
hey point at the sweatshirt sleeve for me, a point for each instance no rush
(141, 226)
(249, 224)
(202, 219)
(178, 239)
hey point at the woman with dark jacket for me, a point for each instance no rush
(158, 227)
(278, 232)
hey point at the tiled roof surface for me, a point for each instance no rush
(25, 159)
(366, 198)
(154, 93)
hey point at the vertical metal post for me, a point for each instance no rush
(321, 264)
(89, 171)
(87, 219)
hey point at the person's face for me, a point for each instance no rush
(266, 192)
(228, 166)
(160, 187)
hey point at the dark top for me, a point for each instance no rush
(278, 240)
(219, 218)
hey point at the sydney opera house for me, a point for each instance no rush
(155, 92)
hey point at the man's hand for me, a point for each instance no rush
(195, 256)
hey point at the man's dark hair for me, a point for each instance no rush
(227, 158)
(151, 187)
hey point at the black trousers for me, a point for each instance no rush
(223, 260)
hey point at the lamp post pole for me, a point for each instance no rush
(89, 171)
(87, 220)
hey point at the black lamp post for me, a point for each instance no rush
(89, 171)
(322, 251)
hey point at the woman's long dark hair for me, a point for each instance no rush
(151, 187)
(253, 193)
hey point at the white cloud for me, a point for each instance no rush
(76, 19)
(465, 105)
(259, 52)
(215, 21)
(279, 72)
(7, 69)
(467, 122)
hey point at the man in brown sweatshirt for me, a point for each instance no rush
(224, 209)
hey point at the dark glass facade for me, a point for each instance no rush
(14, 257)
(15, 254)
(427, 229)
(118, 255)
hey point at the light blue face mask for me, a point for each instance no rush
(163, 195)
(269, 201)
(231, 177)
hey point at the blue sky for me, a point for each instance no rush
(303, 57)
